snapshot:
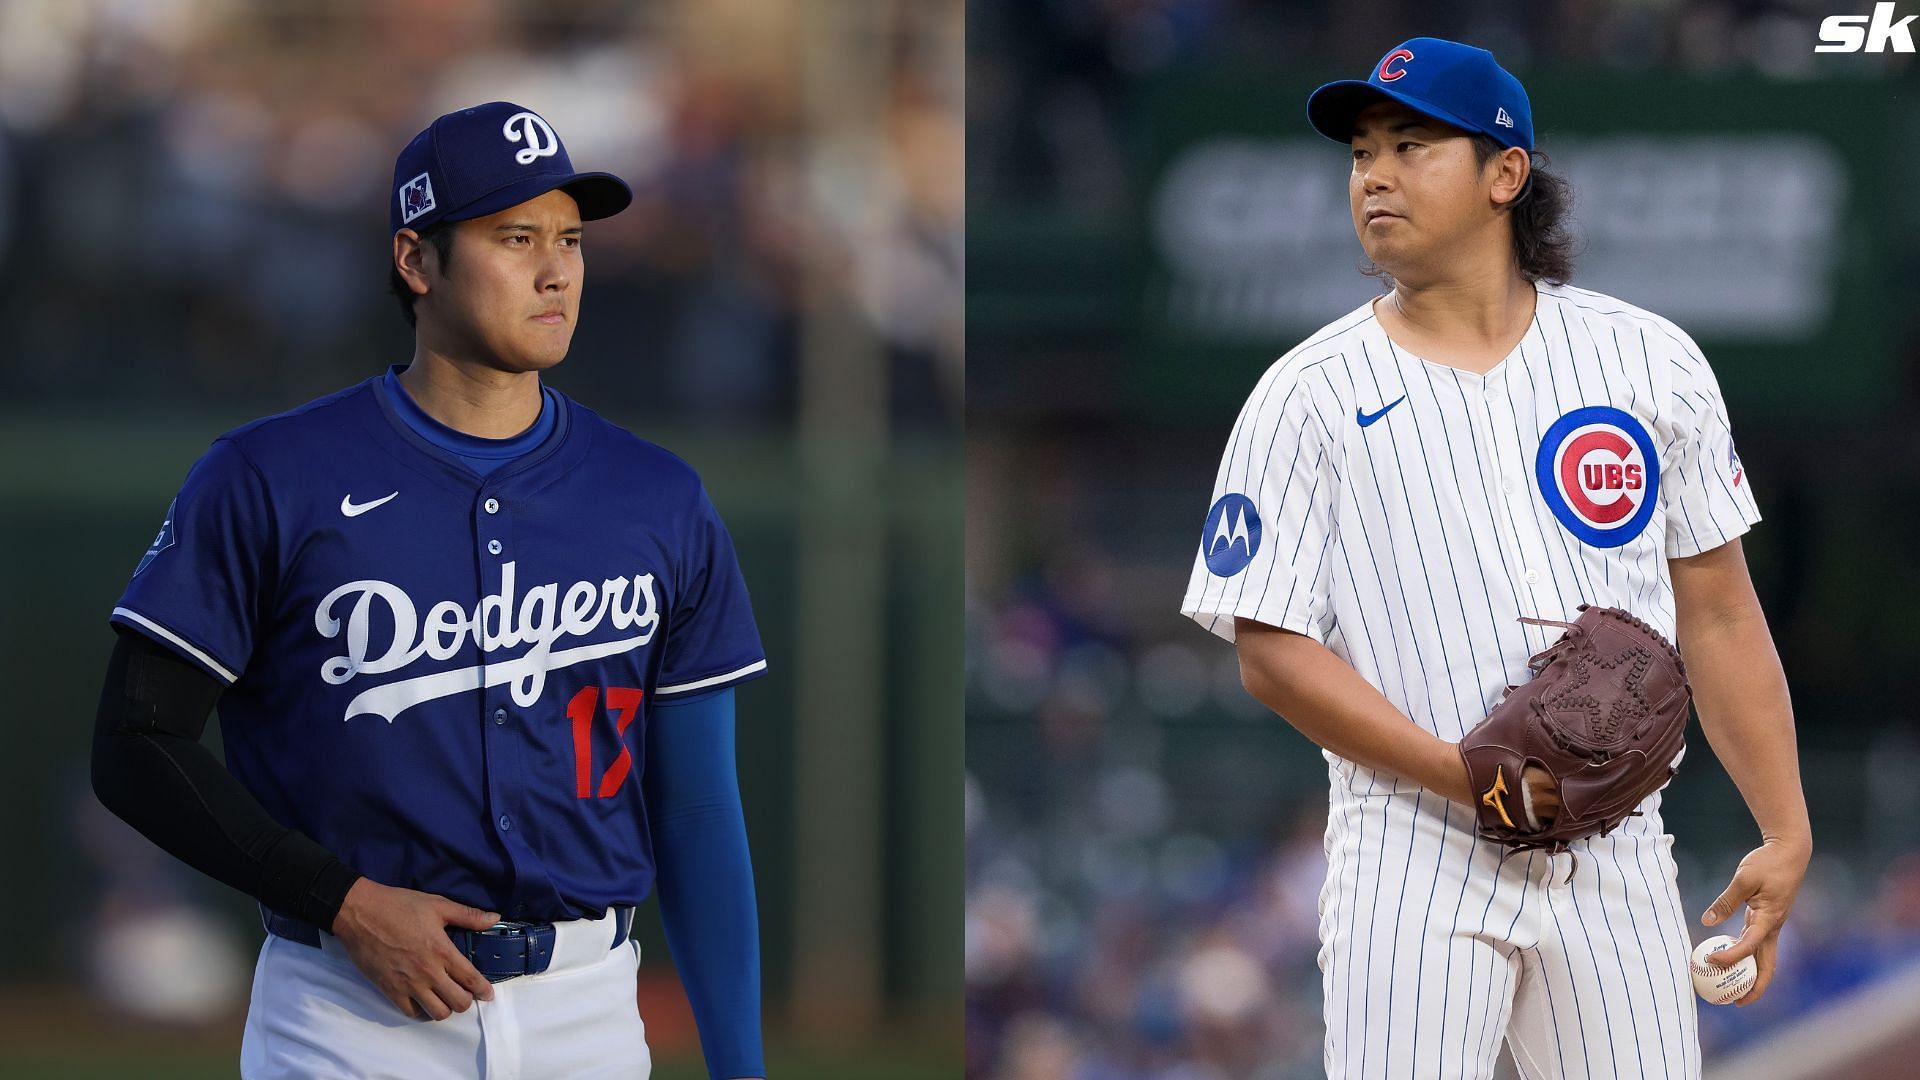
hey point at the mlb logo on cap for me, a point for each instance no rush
(480, 161)
(1451, 82)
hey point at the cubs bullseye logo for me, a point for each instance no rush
(1231, 536)
(1599, 473)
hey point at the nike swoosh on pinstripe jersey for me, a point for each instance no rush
(1366, 418)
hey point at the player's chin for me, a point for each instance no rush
(544, 350)
(1388, 252)
(1379, 252)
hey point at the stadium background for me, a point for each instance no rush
(192, 233)
(1151, 223)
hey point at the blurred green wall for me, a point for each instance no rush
(1752, 212)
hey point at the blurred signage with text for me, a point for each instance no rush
(1741, 218)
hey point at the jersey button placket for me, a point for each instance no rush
(491, 525)
(1513, 464)
(1497, 467)
(492, 532)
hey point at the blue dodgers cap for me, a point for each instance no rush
(479, 161)
(1446, 80)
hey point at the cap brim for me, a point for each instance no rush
(1333, 108)
(598, 194)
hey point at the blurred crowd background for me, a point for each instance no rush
(213, 175)
(193, 214)
(1150, 224)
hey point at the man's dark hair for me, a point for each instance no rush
(1541, 241)
(440, 235)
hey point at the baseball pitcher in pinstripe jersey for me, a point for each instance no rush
(1486, 442)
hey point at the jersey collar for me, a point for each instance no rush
(408, 443)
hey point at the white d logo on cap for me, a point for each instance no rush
(530, 129)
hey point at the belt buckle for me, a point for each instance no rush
(503, 929)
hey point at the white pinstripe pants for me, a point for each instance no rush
(1432, 950)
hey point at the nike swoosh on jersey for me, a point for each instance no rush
(348, 508)
(1366, 418)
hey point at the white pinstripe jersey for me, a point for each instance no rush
(1405, 514)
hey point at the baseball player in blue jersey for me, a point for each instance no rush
(473, 648)
(1485, 445)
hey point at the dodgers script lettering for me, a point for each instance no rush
(542, 618)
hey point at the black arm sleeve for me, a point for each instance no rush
(150, 768)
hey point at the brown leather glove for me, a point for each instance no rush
(1605, 714)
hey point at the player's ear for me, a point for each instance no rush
(410, 260)
(1512, 169)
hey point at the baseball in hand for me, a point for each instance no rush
(1719, 985)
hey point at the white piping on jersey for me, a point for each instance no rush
(543, 618)
(678, 688)
(183, 643)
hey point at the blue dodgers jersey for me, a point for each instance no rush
(445, 679)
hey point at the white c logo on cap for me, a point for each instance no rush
(530, 129)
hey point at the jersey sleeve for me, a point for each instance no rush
(712, 640)
(198, 588)
(1706, 490)
(1264, 544)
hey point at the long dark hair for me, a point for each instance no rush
(1541, 241)
(1542, 244)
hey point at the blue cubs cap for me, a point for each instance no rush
(479, 161)
(1446, 80)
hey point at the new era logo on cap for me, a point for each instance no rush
(1502, 118)
(416, 198)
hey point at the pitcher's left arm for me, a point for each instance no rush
(1741, 693)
